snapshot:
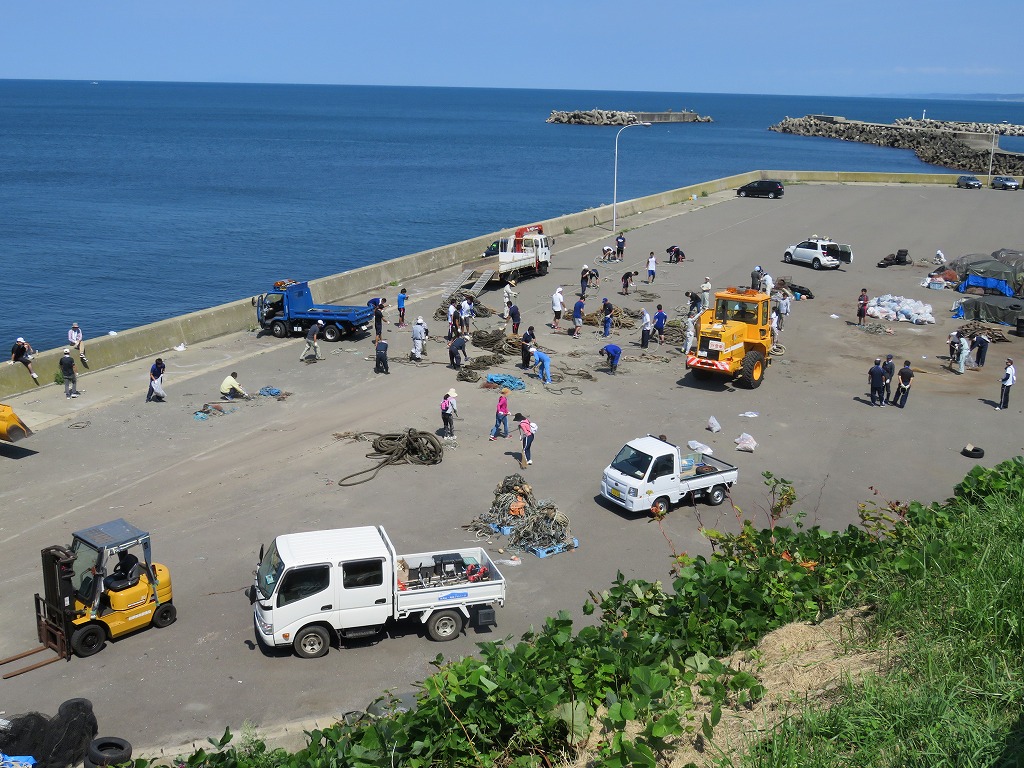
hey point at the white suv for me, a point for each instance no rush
(820, 253)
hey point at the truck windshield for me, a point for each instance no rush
(269, 572)
(632, 462)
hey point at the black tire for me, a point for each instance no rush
(661, 506)
(543, 268)
(312, 642)
(816, 264)
(771, 195)
(278, 329)
(109, 750)
(165, 615)
(787, 257)
(716, 495)
(445, 625)
(331, 333)
(753, 369)
(88, 640)
(973, 453)
(741, 193)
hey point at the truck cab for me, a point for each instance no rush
(651, 473)
(526, 251)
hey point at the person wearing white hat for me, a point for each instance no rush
(509, 294)
(70, 375)
(75, 341)
(705, 293)
(420, 333)
(557, 305)
(584, 280)
(22, 353)
(311, 336)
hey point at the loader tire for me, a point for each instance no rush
(753, 369)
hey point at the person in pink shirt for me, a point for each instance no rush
(526, 429)
(501, 415)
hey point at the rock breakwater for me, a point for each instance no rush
(960, 146)
(621, 117)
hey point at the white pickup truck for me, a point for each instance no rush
(317, 587)
(652, 474)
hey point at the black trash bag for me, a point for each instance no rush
(60, 741)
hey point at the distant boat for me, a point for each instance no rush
(94, 83)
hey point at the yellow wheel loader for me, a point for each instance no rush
(12, 429)
(734, 337)
(105, 585)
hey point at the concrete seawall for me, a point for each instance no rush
(151, 340)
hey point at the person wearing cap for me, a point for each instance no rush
(652, 265)
(1008, 380)
(230, 388)
(402, 296)
(311, 336)
(501, 415)
(75, 341)
(584, 280)
(70, 374)
(705, 293)
(876, 381)
(420, 333)
(542, 363)
(620, 246)
(453, 320)
(964, 352)
(767, 283)
(378, 320)
(156, 393)
(380, 364)
(457, 350)
(755, 278)
(524, 346)
(980, 342)
(905, 375)
(689, 333)
(448, 413)
(609, 310)
(509, 293)
(613, 352)
(22, 353)
(890, 371)
(557, 305)
(577, 316)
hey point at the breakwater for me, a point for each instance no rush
(622, 117)
(963, 146)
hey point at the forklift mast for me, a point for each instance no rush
(55, 610)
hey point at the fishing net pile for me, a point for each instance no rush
(534, 523)
(55, 742)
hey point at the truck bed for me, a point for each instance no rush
(429, 585)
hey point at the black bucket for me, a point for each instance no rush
(1020, 326)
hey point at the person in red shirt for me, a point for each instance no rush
(862, 306)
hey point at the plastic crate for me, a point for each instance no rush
(504, 530)
(555, 550)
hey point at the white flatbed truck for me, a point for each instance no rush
(314, 588)
(651, 474)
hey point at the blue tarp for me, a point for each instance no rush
(988, 283)
(506, 380)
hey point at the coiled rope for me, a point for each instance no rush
(409, 447)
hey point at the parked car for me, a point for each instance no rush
(765, 188)
(968, 182)
(1005, 182)
(820, 253)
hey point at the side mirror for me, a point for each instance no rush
(251, 591)
(261, 553)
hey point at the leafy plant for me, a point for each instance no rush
(567, 231)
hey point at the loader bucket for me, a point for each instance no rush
(12, 429)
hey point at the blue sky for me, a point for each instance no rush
(859, 47)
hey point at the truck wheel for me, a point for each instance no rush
(543, 268)
(787, 257)
(109, 750)
(716, 495)
(753, 369)
(444, 626)
(165, 616)
(660, 507)
(88, 640)
(312, 642)
(331, 333)
(279, 329)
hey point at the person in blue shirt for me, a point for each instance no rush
(612, 352)
(402, 296)
(577, 317)
(514, 316)
(542, 363)
(608, 310)
(660, 318)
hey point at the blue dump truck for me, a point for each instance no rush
(289, 309)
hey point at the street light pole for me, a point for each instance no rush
(615, 182)
(991, 157)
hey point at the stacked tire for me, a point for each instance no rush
(107, 751)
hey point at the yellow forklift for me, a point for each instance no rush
(102, 587)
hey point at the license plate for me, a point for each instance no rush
(615, 492)
(717, 346)
(702, 353)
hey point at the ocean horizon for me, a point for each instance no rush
(126, 203)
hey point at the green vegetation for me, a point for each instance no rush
(704, 193)
(567, 230)
(58, 377)
(946, 584)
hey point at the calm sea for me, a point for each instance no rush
(126, 203)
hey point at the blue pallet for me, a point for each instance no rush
(555, 550)
(504, 530)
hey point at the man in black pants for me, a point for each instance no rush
(890, 371)
(876, 381)
(457, 347)
(903, 388)
(529, 339)
(382, 357)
